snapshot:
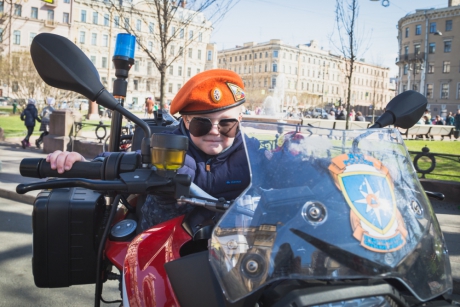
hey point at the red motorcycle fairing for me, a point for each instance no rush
(146, 282)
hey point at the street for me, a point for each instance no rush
(17, 287)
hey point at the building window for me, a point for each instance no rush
(93, 59)
(82, 37)
(429, 91)
(104, 62)
(136, 84)
(275, 53)
(448, 25)
(170, 88)
(50, 15)
(34, 12)
(431, 68)
(417, 49)
(150, 46)
(198, 71)
(171, 70)
(418, 29)
(273, 82)
(444, 90)
(95, 18)
(65, 17)
(189, 72)
(94, 39)
(105, 40)
(179, 71)
(446, 67)
(116, 21)
(406, 68)
(149, 70)
(66, 1)
(136, 65)
(199, 54)
(16, 37)
(31, 37)
(407, 32)
(181, 33)
(151, 28)
(179, 86)
(17, 10)
(171, 50)
(106, 20)
(138, 25)
(447, 46)
(147, 85)
(433, 27)
(190, 53)
(126, 23)
(458, 90)
(83, 16)
(275, 67)
(190, 35)
(15, 86)
(200, 37)
(432, 48)
(209, 55)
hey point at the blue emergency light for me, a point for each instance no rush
(125, 45)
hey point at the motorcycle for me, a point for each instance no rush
(334, 218)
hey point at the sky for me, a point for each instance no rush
(300, 21)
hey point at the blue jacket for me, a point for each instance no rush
(30, 115)
(223, 175)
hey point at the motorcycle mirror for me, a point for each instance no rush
(61, 64)
(403, 111)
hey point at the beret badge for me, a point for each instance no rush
(216, 95)
(238, 93)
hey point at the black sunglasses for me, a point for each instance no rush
(200, 126)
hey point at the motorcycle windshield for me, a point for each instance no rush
(329, 205)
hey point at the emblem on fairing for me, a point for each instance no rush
(368, 189)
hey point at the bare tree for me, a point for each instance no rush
(171, 21)
(349, 42)
(25, 81)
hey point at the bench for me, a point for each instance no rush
(427, 131)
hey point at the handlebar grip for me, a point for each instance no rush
(39, 168)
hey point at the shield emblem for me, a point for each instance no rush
(371, 197)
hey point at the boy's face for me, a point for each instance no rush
(213, 142)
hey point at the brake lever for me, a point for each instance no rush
(71, 183)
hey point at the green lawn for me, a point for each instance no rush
(447, 168)
(13, 126)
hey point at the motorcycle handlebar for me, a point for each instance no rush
(39, 168)
(110, 169)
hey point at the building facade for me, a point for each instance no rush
(429, 42)
(303, 76)
(93, 26)
(20, 22)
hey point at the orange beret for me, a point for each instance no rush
(210, 91)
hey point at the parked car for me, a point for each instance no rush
(4, 101)
(319, 113)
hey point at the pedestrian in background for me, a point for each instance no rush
(450, 121)
(29, 116)
(149, 107)
(15, 106)
(45, 117)
(457, 120)
(438, 120)
(360, 117)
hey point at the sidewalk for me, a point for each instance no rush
(11, 155)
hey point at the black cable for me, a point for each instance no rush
(127, 205)
(98, 291)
